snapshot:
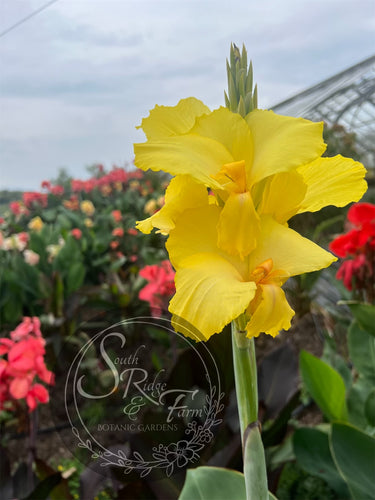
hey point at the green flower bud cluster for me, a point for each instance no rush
(241, 97)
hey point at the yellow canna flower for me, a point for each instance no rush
(214, 287)
(250, 164)
(87, 207)
(237, 183)
(36, 224)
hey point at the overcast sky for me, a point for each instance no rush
(78, 77)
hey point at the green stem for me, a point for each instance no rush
(245, 372)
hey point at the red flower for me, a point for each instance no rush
(359, 244)
(132, 231)
(160, 287)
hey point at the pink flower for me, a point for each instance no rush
(160, 287)
(76, 233)
(114, 245)
(15, 207)
(132, 231)
(46, 185)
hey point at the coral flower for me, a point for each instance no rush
(116, 214)
(118, 231)
(76, 233)
(249, 164)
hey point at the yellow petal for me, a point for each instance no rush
(272, 314)
(289, 251)
(195, 232)
(238, 227)
(332, 181)
(182, 193)
(230, 130)
(165, 121)
(210, 293)
(282, 143)
(282, 195)
(200, 157)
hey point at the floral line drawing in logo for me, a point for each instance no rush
(167, 457)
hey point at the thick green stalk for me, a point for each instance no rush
(245, 372)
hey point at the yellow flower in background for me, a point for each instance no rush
(150, 207)
(214, 287)
(36, 224)
(261, 164)
(87, 207)
(88, 222)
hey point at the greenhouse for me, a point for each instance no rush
(346, 99)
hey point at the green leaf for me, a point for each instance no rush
(354, 455)
(365, 315)
(43, 489)
(208, 483)
(255, 471)
(311, 448)
(362, 351)
(75, 277)
(325, 385)
(333, 358)
(356, 400)
(370, 408)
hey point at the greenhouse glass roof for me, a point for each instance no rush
(347, 99)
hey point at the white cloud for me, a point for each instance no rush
(79, 76)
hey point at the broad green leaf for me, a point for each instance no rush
(365, 315)
(311, 448)
(354, 455)
(362, 351)
(208, 483)
(325, 385)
